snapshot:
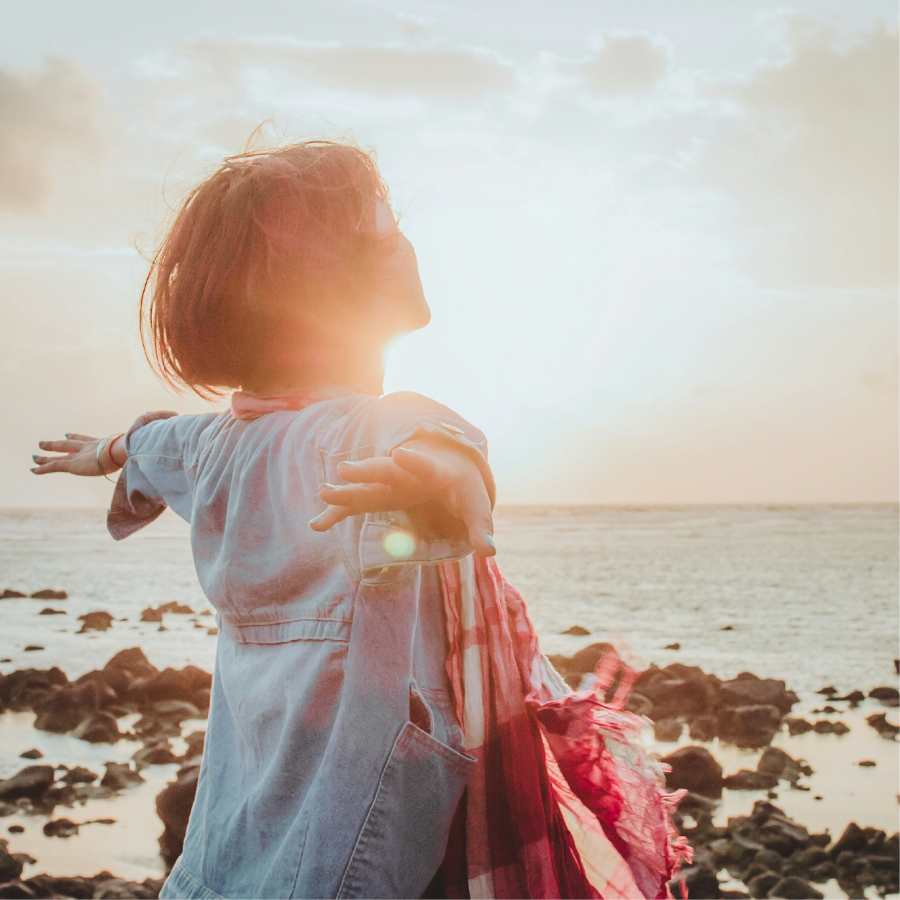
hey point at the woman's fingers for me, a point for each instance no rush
(59, 464)
(380, 469)
(61, 446)
(475, 510)
(361, 497)
(329, 517)
(73, 436)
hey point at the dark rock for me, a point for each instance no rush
(639, 704)
(797, 725)
(79, 775)
(151, 614)
(780, 764)
(753, 691)
(577, 630)
(700, 881)
(100, 728)
(586, 659)
(760, 885)
(853, 839)
(173, 805)
(867, 763)
(890, 696)
(853, 698)
(61, 886)
(673, 646)
(667, 729)
(32, 781)
(10, 867)
(727, 628)
(25, 688)
(749, 726)
(10, 594)
(62, 828)
(179, 609)
(49, 594)
(823, 872)
(793, 887)
(696, 769)
(95, 621)
(33, 753)
(119, 776)
(50, 611)
(880, 723)
(32, 647)
(703, 728)
(156, 754)
(823, 726)
(212, 631)
(806, 859)
(195, 741)
(748, 780)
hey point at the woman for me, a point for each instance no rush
(336, 760)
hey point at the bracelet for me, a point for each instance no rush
(102, 446)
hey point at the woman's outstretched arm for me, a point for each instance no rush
(82, 454)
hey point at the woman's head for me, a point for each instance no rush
(284, 262)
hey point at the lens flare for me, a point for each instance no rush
(400, 544)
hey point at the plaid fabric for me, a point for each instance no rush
(565, 800)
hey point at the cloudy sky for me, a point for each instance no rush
(659, 240)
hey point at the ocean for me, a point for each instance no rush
(804, 593)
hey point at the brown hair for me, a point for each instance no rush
(268, 245)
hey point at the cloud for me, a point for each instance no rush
(454, 73)
(808, 157)
(626, 64)
(47, 115)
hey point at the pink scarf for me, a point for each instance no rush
(564, 800)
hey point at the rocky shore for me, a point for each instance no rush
(761, 854)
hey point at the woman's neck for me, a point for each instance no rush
(358, 372)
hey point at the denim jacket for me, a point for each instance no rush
(333, 763)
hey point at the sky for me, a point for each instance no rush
(659, 240)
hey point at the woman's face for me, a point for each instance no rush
(399, 297)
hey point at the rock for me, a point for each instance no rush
(577, 630)
(700, 881)
(889, 696)
(586, 659)
(794, 887)
(749, 726)
(10, 866)
(79, 775)
(157, 754)
(95, 621)
(780, 764)
(151, 614)
(828, 690)
(50, 611)
(119, 776)
(852, 839)
(853, 698)
(33, 753)
(25, 688)
(31, 647)
(823, 726)
(49, 594)
(173, 805)
(62, 828)
(673, 646)
(752, 691)
(212, 631)
(639, 704)
(748, 780)
(100, 728)
(867, 763)
(886, 729)
(727, 628)
(171, 684)
(797, 725)
(195, 741)
(760, 885)
(703, 728)
(679, 690)
(32, 781)
(10, 594)
(667, 729)
(696, 769)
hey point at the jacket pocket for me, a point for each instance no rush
(404, 835)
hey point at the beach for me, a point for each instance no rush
(803, 596)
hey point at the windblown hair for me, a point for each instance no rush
(268, 242)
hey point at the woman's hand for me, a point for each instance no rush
(414, 473)
(78, 456)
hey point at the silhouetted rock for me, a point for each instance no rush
(749, 726)
(782, 765)
(748, 780)
(579, 630)
(696, 769)
(889, 696)
(33, 753)
(95, 621)
(32, 781)
(50, 611)
(667, 729)
(10, 594)
(62, 828)
(880, 723)
(173, 805)
(119, 776)
(49, 594)
(794, 887)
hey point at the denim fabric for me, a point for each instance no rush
(333, 761)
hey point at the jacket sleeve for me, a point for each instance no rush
(426, 532)
(162, 449)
